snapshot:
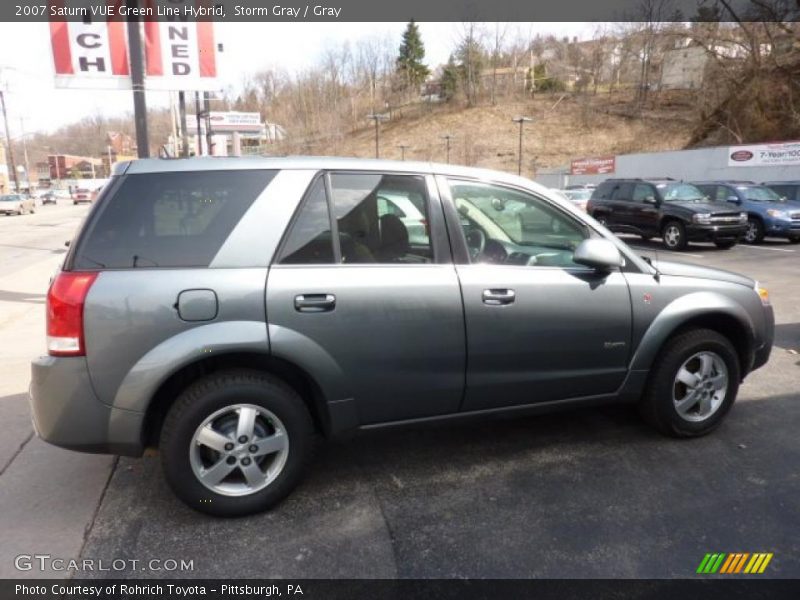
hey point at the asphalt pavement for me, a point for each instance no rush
(586, 493)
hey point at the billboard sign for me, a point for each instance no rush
(593, 166)
(765, 155)
(93, 54)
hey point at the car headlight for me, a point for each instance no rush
(762, 293)
(702, 218)
(778, 214)
(742, 217)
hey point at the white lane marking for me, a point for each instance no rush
(765, 248)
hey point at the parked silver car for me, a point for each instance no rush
(17, 204)
(230, 310)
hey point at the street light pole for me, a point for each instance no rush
(521, 120)
(137, 83)
(447, 138)
(403, 151)
(377, 118)
(8, 142)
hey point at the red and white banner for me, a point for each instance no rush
(776, 154)
(179, 55)
(593, 166)
(90, 55)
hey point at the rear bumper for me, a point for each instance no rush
(67, 413)
(715, 232)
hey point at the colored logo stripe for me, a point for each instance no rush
(736, 562)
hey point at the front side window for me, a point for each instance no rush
(506, 226)
(643, 191)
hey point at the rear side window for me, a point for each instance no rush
(623, 191)
(169, 219)
(603, 191)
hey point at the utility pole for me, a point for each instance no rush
(403, 151)
(377, 118)
(447, 139)
(207, 111)
(25, 152)
(199, 116)
(137, 83)
(521, 120)
(182, 116)
(8, 143)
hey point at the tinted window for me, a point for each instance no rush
(367, 208)
(505, 226)
(310, 240)
(622, 191)
(169, 219)
(604, 190)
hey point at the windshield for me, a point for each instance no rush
(9, 198)
(760, 194)
(680, 192)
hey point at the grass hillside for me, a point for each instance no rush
(564, 127)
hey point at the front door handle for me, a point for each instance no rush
(498, 297)
(314, 302)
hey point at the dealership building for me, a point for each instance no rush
(232, 134)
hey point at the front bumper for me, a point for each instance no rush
(761, 354)
(782, 228)
(67, 413)
(702, 233)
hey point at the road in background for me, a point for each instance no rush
(48, 496)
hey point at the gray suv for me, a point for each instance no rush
(229, 311)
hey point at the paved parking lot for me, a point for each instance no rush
(588, 493)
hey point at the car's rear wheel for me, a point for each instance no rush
(754, 234)
(236, 443)
(673, 235)
(725, 245)
(692, 385)
(794, 240)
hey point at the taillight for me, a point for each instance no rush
(65, 300)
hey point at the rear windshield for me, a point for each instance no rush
(168, 219)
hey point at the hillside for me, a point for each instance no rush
(564, 127)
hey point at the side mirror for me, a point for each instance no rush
(67, 243)
(733, 199)
(598, 254)
(650, 200)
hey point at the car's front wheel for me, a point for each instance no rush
(235, 443)
(754, 234)
(692, 385)
(674, 235)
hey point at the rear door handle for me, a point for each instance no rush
(314, 303)
(497, 297)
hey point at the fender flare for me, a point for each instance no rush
(148, 374)
(681, 311)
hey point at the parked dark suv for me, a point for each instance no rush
(229, 311)
(677, 212)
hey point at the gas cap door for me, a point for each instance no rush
(197, 305)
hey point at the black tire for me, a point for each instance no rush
(794, 240)
(657, 406)
(601, 219)
(213, 393)
(680, 242)
(755, 231)
(726, 245)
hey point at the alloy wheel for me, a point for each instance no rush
(700, 386)
(672, 236)
(751, 233)
(239, 450)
